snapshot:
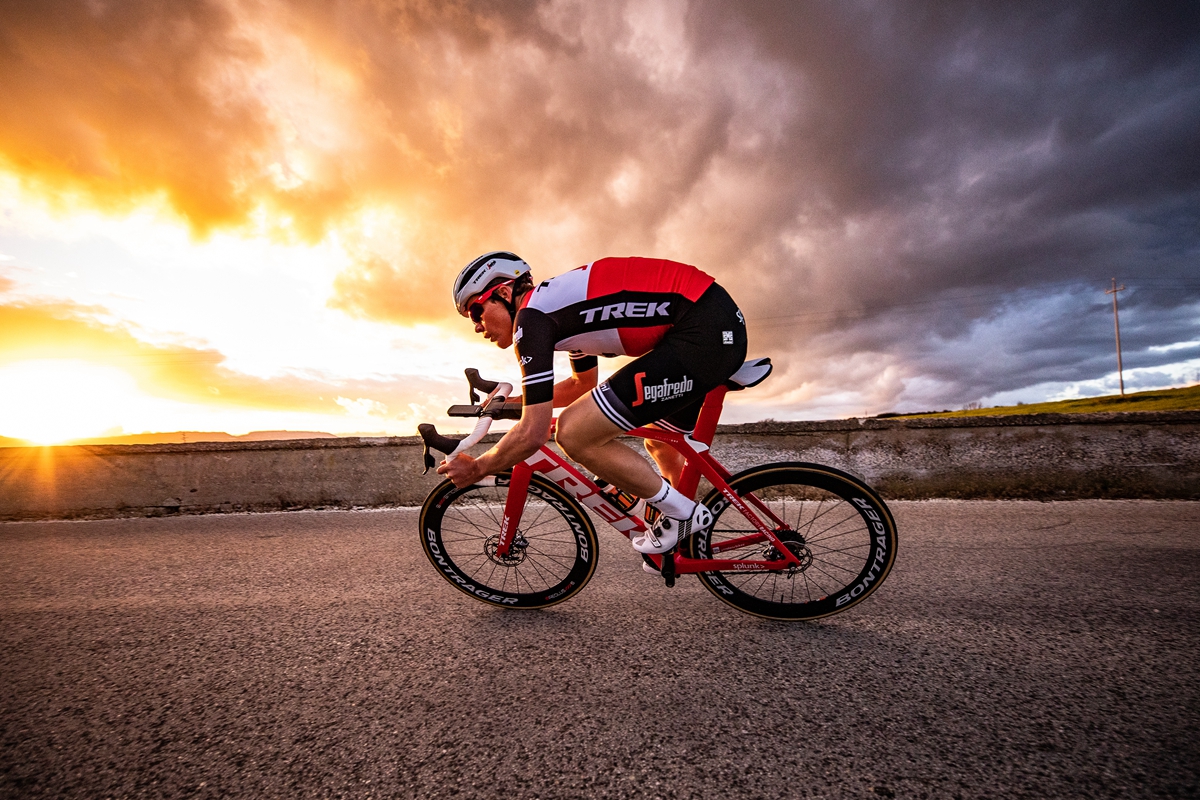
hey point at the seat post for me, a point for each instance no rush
(706, 427)
(710, 414)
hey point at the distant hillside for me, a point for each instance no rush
(1185, 399)
(185, 437)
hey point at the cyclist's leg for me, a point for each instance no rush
(712, 338)
(700, 352)
(587, 435)
(652, 387)
(669, 460)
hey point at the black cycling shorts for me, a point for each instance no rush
(667, 385)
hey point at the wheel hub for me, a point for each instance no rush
(800, 550)
(516, 553)
(795, 544)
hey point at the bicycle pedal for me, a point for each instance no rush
(668, 568)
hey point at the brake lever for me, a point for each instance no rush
(480, 384)
(433, 440)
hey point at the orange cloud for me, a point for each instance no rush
(223, 109)
(65, 330)
(512, 126)
(376, 288)
(120, 102)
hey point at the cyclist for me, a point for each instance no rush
(687, 336)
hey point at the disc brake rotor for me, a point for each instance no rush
(516, 553)
(794, 542)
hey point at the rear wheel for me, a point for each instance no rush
(839, 528)
(553, 554)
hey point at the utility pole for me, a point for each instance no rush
(1117, 325)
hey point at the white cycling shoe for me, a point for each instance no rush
(667, 531)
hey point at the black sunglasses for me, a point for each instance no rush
(475, 310)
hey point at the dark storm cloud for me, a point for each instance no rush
(916, 203)
(1019, 155)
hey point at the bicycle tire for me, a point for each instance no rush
(555, 561)
(838, 525)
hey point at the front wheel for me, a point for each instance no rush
(553, 554)
(838, 527)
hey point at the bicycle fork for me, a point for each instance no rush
(514, 505)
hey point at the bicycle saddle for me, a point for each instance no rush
(753, 372)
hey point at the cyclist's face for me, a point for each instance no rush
(495, 323)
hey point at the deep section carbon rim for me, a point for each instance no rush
(839, 529)
(553, 556)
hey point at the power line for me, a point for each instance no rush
(1117, 325)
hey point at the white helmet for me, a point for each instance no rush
(477, 275)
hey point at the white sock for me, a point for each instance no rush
(672, 502)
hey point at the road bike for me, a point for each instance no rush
(789, 541)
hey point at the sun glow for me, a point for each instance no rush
(56, 400)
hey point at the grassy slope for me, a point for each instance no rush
(1186, 399)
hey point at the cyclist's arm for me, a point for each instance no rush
(570, 389)
(519, 443)
(523, 440)
(534, 342)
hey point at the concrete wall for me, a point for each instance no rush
(1039, 456)
(1044, 456)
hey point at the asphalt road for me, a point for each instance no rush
(1017, 650)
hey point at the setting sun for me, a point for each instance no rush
(56, 400)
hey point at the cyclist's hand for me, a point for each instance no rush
(462, 471)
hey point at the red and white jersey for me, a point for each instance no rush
(611, 307)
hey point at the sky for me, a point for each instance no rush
(234, 216)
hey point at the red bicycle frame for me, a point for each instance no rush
(699, 463)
